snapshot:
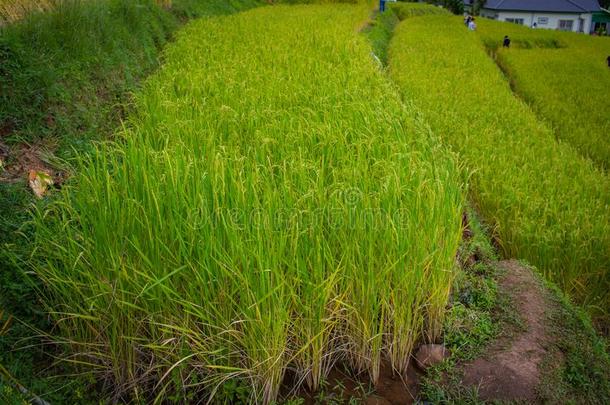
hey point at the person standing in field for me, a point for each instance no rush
(467, 20)
(506, 42)
(382, 5)
(471, 25)
(608, 61)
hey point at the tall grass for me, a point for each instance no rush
(271, 207)
(565, 82)
(12, 11)
(550, 206)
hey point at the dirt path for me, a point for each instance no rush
(510, 369)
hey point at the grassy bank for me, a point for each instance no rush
(271, 208)
(382, 26)
(548, 204)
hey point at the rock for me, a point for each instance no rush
(430, 355)
(375, 400)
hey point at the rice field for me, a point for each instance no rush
(269, 209)
(549, 205)
(564, 77)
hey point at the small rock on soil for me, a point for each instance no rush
(430, 355)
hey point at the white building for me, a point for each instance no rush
(564, 15)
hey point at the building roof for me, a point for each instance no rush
(555, 6)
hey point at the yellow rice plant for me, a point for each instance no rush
(563, 77)
(549, 204)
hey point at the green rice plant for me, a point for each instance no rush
(565, 82)
(406, 10)
(381, 28)
(548, 204)
(272, 205)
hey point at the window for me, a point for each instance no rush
(543, 20)
(565, 25)
(515, 20)
(600, 27)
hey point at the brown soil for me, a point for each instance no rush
(392, 389)
(510, 368)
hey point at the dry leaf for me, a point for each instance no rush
(40, 182)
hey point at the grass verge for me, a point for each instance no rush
(576, 366)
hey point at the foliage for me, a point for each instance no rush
(549, 205)
(453, 6)
(584, 374)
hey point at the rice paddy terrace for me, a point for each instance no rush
(550, 203)
(278, 202)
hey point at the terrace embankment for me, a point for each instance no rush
(514, 337)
